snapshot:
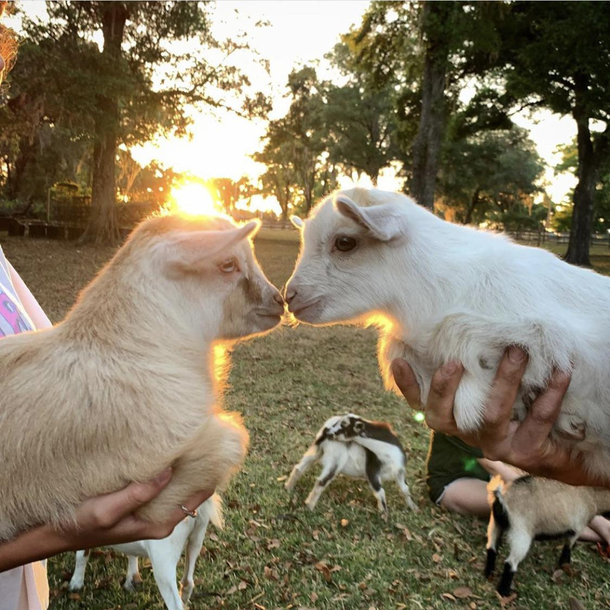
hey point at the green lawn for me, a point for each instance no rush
(274, 553)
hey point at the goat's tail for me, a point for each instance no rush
(215, 513)
(495, 498)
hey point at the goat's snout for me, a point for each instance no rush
(289, 293)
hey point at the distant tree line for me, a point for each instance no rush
(427, 88)
(430, 87)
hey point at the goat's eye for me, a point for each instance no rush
(228, 266)
(345, 244)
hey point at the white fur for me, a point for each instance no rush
(347, 456)
(164, 556)
(443, 292)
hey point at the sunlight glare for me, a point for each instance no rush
(194, 199)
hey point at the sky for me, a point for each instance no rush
(299, 32)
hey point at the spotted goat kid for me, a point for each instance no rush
(358, 448)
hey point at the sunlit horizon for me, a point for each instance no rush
(221, 144)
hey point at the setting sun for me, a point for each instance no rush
(194, 199)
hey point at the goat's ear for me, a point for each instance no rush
(193, 247)
(358, 427)
(296, 222)
(380, 221)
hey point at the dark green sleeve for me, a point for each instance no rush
(449, 459)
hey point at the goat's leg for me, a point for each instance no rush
(566, 551)
(494, 537)
(519, 542)
(379, 493)
(78, 578)
(193, 548)
(307, 461)
(164, 557)
(133, 573)
(404, 490)
(326, 476)
(373, 475)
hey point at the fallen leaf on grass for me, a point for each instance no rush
(557, 576)
(322, 567)
(74, 596)
(448, 596)
(274, 543)
(242, 585)
(505, 601)
(463, 592)
(271, 573)
(280, 479)
(436, 558)
(344, 522)
(313, 597)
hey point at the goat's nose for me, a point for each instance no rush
(290, 294)
(277, 297)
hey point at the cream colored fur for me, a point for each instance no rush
(125, 385)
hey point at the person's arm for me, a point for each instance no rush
(29, 302)
(506, 471)
(528, 445)
(103, 520)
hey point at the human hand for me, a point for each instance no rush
(111, 519)
(100, 521)
(528, 445)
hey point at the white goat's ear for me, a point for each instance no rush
(379, 220)
(193, 247)
(296, 222)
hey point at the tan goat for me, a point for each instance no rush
(125, 385)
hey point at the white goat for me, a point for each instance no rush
(125, 385)
(357, 448)
(449, 292)
(164, 556)
(533, 508)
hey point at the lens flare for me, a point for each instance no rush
(194, 199)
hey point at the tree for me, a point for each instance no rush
(138, 84)
(556, 55)
(427, 51)
(296, 145)
(488, 172)
(562, 220)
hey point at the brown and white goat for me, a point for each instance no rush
(357, 448)
(125, 385)
(534, 508)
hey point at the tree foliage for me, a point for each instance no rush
(133, 87)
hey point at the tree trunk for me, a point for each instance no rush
(427, 144)
(473, 204)
(103, 225)
(582, 214)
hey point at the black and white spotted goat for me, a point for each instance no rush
(357, 448)
(534, 508)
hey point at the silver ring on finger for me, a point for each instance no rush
(190, 513)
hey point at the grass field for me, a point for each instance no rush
(274, 553)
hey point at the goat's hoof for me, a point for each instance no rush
(76, 585)
(132, 585)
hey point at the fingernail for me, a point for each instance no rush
(515, 354)
(163, 476)
(449, 368)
